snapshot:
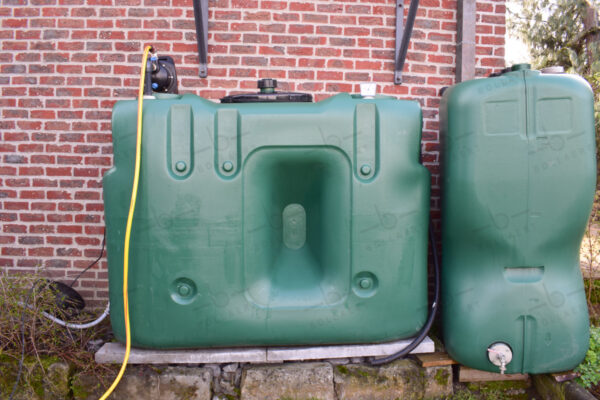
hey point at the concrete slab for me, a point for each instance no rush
(114, 353)
(298, 353)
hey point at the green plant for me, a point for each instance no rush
(467, 394)
(565, 33)
(590, 367)
(590, 256)
(24, 332)
(463, 394)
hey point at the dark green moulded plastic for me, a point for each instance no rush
(269, 223)
(519, 174)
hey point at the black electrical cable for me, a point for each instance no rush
(93, 263)
(434, 306)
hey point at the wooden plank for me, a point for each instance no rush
(435, 359)
(586, 274)
(565, 376)
(467, 374)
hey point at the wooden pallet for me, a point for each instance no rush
(435, 360)
(565, 376)
(467, 374)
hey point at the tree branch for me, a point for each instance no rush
(579, 39)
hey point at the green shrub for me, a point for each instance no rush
(44, 341)
(590, 367)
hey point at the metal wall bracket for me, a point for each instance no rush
(403, 35)
(201, 20)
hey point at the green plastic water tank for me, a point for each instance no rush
(519, 174)
(270, 223)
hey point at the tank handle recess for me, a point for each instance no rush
(201, 21)
(403, 35)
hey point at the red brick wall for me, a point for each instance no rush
(63, 64)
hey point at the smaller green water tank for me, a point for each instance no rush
(519, 175)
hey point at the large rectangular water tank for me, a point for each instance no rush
(519, 176)
(269, 223)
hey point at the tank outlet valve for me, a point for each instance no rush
(500, 354)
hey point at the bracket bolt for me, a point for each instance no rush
(365, 169)
(227, 166)
(365, 283)
(180, 166)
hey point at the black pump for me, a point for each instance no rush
(161, 75)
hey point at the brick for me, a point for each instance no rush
(41, 252)
(313, 40)
(340, 64)
(272, 28)
(59, 240)
(7, 148)
(14, 23)
(69, 229)
(28, 262)
(41, 182)
(356, 31)
(8, 217)
(377, 21)
(359, 53)
(444, 37)
(370, 65)
(344, 41)
(494, 40)
(44, 206)
(32, 194)
(342, 19)
(56, 264)
(13, 228)
(440, 59)
(329, 30)
(14, 158)
(5, 194)
(58, 171)
(493, 19)
(315, 18)
(282, 39)
(312, 63)
(8, 251)
(328, 52)
(301, 29)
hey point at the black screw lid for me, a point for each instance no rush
(268, 95)
(267, 83)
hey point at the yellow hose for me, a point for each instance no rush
(134, 190)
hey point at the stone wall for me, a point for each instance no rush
(340, 379)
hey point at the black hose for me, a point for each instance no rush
(432, 313)
(95, 261)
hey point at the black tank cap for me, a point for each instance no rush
(268, 94)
